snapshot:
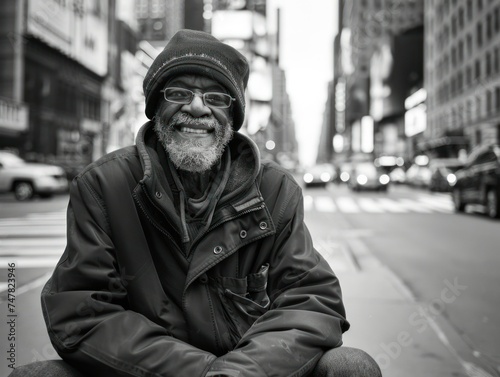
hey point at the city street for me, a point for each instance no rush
(442, 321)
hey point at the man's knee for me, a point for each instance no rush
(346, 361)
(49, 368)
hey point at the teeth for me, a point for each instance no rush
(193, 131)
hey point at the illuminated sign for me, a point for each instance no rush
(415, 120)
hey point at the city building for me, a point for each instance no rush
(378, 63)
(462, 75)
(59, 52)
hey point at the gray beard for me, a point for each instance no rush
(189, 154)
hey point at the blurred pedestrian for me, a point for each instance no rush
(186, 254)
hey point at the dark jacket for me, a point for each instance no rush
(251, 298)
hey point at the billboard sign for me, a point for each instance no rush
(77, 28)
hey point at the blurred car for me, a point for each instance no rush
(26, 180)
(478, 182)
(345, 169)
(366, 176)
(397, 175)
(319, 175)
(418, 175)
(443, 174)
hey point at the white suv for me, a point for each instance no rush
(26, 179)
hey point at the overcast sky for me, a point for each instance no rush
(307, 34)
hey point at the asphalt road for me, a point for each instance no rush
(448, 262)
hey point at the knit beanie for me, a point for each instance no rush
(196, 52)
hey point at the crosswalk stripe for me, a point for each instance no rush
(30, 262)
(26, 252)
(369, 205)
(325, 204)
(308, 203)
(28, 231)
(345, 204)
(36, 240)
(414, 206)
(391, 205)
(444, 203)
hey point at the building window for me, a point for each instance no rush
(469, 10)
(461, 51)
(454, 25)
(453, 56)
(489, 102)
(479, 32)
(496, 60)
(497, 19)
(488, 64)
(469, 44)
(489, 26)
(477, 73)
(497, 99)
(480, 5)
(461, 18)
(468, 75)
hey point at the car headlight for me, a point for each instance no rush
(361, 179)
(308, 178)
(384, 179)
(452, 179)
(325, 177)
(344, 176)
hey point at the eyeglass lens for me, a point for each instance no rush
(185, 96)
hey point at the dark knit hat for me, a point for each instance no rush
(196, 52)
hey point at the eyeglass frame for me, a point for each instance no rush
(202, 95)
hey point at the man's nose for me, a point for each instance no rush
(197, 107)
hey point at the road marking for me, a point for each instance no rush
(30, 262)
(325, 204)
(347, 205)
(370, 205)
(414, 206)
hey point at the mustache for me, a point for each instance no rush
(187, 120)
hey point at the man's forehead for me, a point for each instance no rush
(195, 81)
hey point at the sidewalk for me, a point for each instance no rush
(405, 337)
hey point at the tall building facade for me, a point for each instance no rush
(376, 51)
(462, 72)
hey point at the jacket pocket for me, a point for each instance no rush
(243, 301)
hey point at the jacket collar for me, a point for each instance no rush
(240, 189)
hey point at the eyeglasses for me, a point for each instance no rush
(186, 96)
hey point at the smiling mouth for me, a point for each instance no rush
(195, 130)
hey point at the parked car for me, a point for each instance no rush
(366, 176)
(478, 182)
(28, 179)
(319, 175)
(443, 170)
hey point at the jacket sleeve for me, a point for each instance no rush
(306, 316)
(85, 306)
